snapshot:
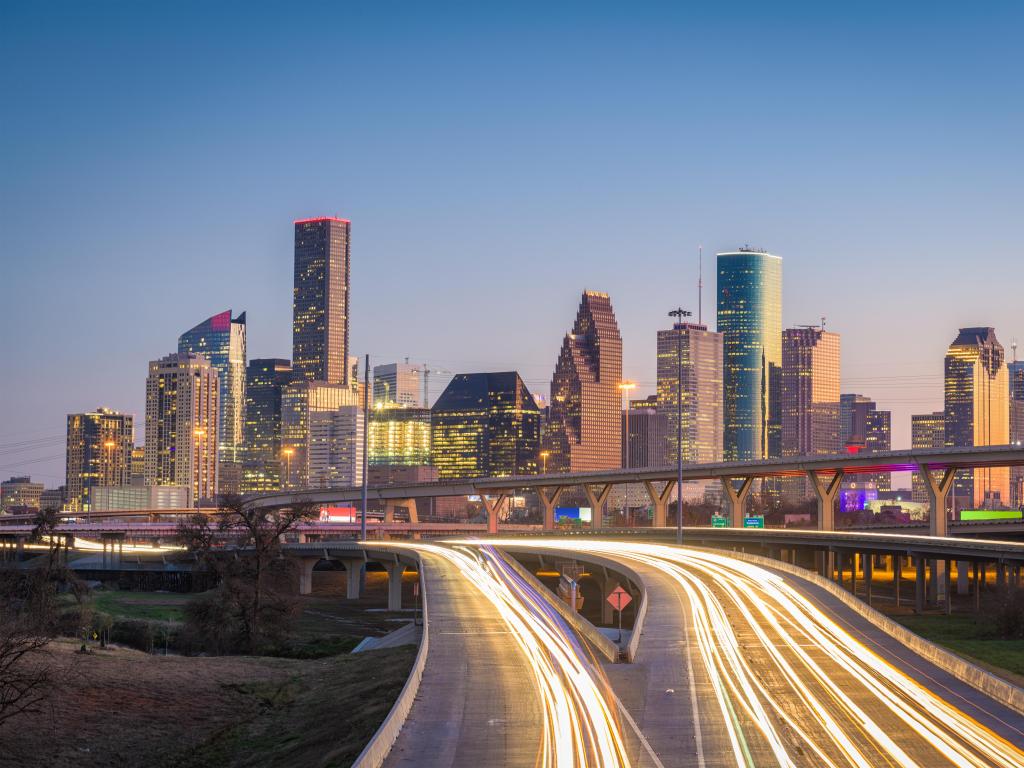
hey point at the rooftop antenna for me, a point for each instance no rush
(1013, 346)
(823, 322)
(700, 285)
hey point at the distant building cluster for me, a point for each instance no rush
(216, 421)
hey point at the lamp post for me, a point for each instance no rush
(679, 313)
(198, 454)
(544, 462)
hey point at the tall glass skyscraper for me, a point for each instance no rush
(750, 320)
(265, 380)
(221, 340)
(99, 454)
(320, 300)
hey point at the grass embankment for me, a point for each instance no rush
(151, 606)
(973, 637)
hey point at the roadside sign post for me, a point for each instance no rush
(416, 593)
(619, 599)
(754, 521)
(719, 521)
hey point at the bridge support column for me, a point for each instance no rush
(737, 498)
(938, 491)
(353, 577)
(597, 501)
(919, 586)
(549, 500)
(659, 501)
(395, 571)
(493, 507)
(977, 587)
(869, 572)
(963, 586)
(897, 573)
(306, 566)
(826, 493)
(1000, 575)
(390, 505)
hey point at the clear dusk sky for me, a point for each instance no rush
(495, 160)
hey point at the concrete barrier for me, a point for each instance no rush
(995, 687)
(376, 751)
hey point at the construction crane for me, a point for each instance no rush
(424, 371)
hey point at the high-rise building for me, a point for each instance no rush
(865, 428)
(750, 320)
(397, 383)
(399, 436)
(99, 453)
(335, 448)
(320, 300)
(1016, 373)
(810, 392)
(300, 401)
(701, 354)
(978, 413)
(221, 340)
(265, 380)
(137, 475)
(647, 439)
(583, 430)
(20, 493)
(485, 425)
(927, 430)
(182, 408)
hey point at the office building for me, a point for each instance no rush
(300, 401)
(485, 425)
(320, 300)
(927, 430)
(750, 321)
(20, 493)
(398, 383)
(700, 352)
(265, 380)
(399, 436)
(54, 498)
(583, 429)
(645, 444)
(865, 429)
(1016, 373)
(99, 454)
(137, 473)
(221, 340)
(182, 408)
(978, 413)
(335, 448)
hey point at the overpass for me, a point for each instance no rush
(938, 466)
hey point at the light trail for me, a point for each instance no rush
(791, 686)
(580, 727)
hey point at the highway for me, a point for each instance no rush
(740, 665)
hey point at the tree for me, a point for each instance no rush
(241, 544)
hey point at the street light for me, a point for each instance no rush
(679, 313)
(544, 462)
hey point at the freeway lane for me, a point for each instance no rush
(778, 681)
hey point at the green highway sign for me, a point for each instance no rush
(719, 521)
(756, 521)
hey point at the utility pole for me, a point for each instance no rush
(366, 444)
(679, 313)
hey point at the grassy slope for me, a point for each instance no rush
(157, 606)
(971, 637)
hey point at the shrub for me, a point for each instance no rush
(1009, 614)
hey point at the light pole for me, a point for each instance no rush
(544, 462)
(679, 313)
(198, 453)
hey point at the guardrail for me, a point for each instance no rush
(376, 751)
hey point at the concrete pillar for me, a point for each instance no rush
(963, 586)
(840, 558)
(1000, 575)
(977, 587)
(549, 498)
(597, 501)
(353, 577)
(919, 585)
(934, 583)
(493, 507)
(306, 566)
(853, 573)
(390, 505)
(869, 567)
(737, 498)
(897, 573)
(826, 493)
(395, 571)
(660, 501)
(938, 491)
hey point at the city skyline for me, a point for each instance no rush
(888, 200)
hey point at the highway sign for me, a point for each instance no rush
(619, 599)
(719, 521)
(754, 521)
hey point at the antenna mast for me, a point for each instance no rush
(700, 284)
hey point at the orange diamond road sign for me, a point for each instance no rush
(619, 598)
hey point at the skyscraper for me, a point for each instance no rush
(927, 430)
(320, 300)
(182, 407)
(750, 320)
(335, 448)
(265, 380)
(978, 413)
(647, 439)
(99, 453)
(701, 353)
(397, 383)
(300, 402)
(1016, 372)
(865, 429)
(583, 431)
(221, 340)
(810, 392)
(485, 425)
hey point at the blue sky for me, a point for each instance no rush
(495, 161)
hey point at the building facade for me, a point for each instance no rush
(927, 430)
(300, 402)
(397, 383)
(485, 425)
(320, 300)
(182, 408)
(583, 429)
(865, 429)
(646, 440)
(99, 454)
(335, 448)
(20, 493)
(701, 353)
(399, 436)
(265, 380)
(221, 340)
(977, 395)
(1016, 373)
(126, 498)
(750, 320)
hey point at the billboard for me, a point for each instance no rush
(991, 514)
(573, 514)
